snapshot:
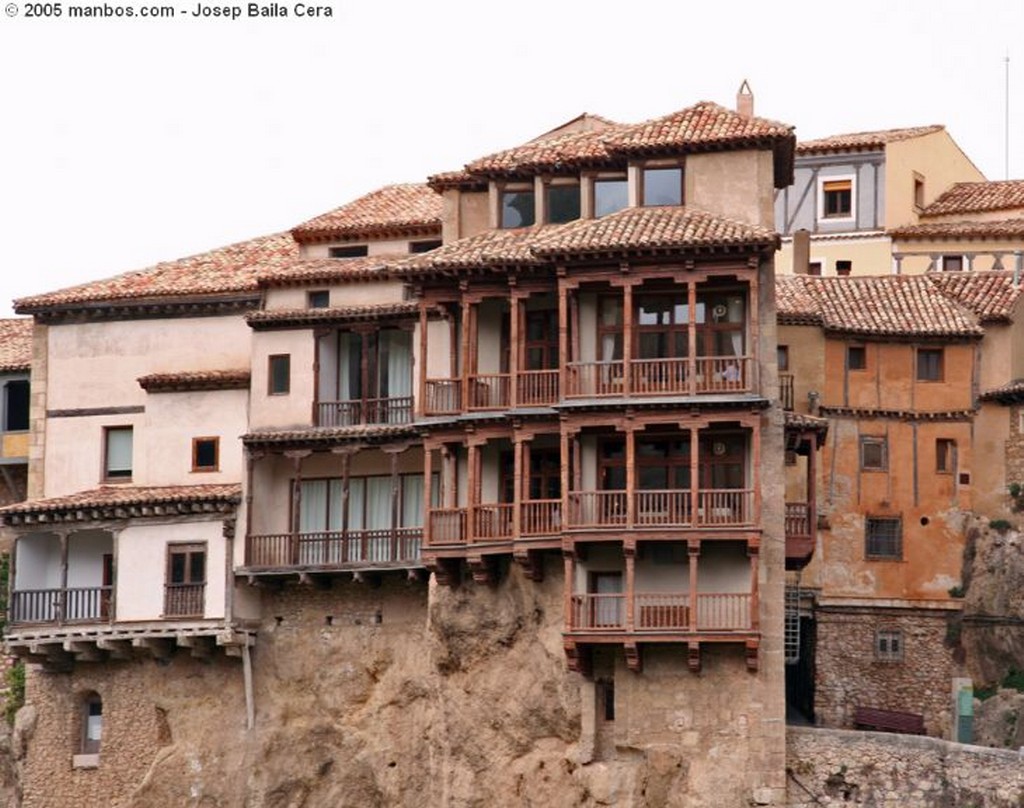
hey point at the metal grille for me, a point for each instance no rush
(792, 624)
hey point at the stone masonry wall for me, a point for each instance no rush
(849, 675)
(1015, 449)
(879, 770)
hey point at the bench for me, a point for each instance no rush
(888, 720)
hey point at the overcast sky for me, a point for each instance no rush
(126, 142)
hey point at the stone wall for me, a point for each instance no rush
(834, 767)
(849, 675)
(1015, 449)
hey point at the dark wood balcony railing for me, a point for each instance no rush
(798, 520)
(727, 507)
(365, 411)
(716, 612)
(444, 396)
(184, 600)
(73, 605)
(786, 390)
(595, 378)
(489, 391)
(537, 387)
(597, 508)
(447, 525)
(334, 548)
(723, 374)
(492, 521)
(541, 517)
(654, 376)
(671, 508)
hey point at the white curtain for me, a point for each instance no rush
(412, 500)
(399, 363)
(345, 356)
(313, 519)
(378, 516)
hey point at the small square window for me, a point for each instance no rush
(837, 199)
(874, 454)
(844, 268)
(889, 645)
(517, 209)
(318, 299)
(663, 186)
(279, 374)
(929, 364)
(205, 454)
(814, 268)
(952, 263)
(883, 538)
(945, 456)
(358, 251)
(563, 203)
(856, 357)
(610, 195)
(117, 453)
(424, 246)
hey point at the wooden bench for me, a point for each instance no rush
(888, 720)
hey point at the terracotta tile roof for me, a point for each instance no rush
(704, 125)
(116, 501)
(1011, 393)
(800, 421)
(225, 270)
(15, 343)
(413, 207)
(326, 270)
(894, 305)
(863, 141)
(991, 296)
(795, 304)
(195, 380)
(631, 230)
(569, 150)
(456, 179)
(370, 433)
(999, 229)
(975, 197)
(291, 318)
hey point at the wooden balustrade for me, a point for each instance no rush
(537, 387)
(595, 378)
(725, 507)
(593, 612)
(671, 508)
(724, 612)
(365, 411)
(597, 508)
(489, 391)
(184, 600)
(786, 390)
(798, 520)
(728, 507)
(716, 612)
(444, 396)
(334, 548)
(541, 517)
(723, 374)
(447, 525)
(72, 605)
(656, 376)
(492, 521)
(663, 610)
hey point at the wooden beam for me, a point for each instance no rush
(118, 649)
(158, 647)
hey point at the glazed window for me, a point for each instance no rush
(563, 203)
(952, 263)
(318, 299)
(782, 357)
(929, 364)
(424, 246)
(945, 456)
(610, 194)
(517, 208)
(348, 252)
(16, 406)
(117, 453)
(662, 186)
(91, 717)
(856, 357)
(279, 369)
(889, 645)
(814, 268)
(184, 592)
(874, 454)
(205, 454)
(836, 198)
(883, 538)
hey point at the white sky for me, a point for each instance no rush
(123, 143)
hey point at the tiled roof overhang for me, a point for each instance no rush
(325, 437)
(144, 308)
(111, 503)
(976, 197)
(331, 270)
(1012, 393)
(302, 318)
(863, 141)
(411, 209)
(15, 344)
(899, 415)
(189, 381)
(932, 231)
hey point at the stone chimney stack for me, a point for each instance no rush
(801, 252)
(745, 100)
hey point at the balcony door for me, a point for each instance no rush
(373, 378)
(606, 609)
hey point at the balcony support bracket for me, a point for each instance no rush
(693, 656)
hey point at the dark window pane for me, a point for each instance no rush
(610, 196)
(348, 252)
(320, 299)
(563, 203)
(663, 186)
(197, 568)
(177, 568)
(16, 411)
(856, 357)
(206, 454)
(280, 372)
(423, 246)
(517, 209)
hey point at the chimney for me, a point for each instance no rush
(801, 252)
(745, 100)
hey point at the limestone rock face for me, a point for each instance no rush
(999, 720)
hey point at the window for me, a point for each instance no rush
(517, 208)
(117, 453)
(348, 252)
(563, 203)
(874, 454)
(366, 378)
(929, 364)
(424, 246)
(883, 538)
(279, 374)
(318, 299)
(889, 645)
(16, 406)
(856, 357)
(918, 191)
(184, 593)
(782, 357)
(662, 186)
(844, 268)
(952, 263)
(205, 454)
(91, 733)
(814, 268)
(610, 194)
(836, 198)
(945, 456)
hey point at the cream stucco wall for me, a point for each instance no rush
(142, 561)
(918, 256)
(735, 184)
(870, 255)
(349, 294)
(377, 247)
(293, 409)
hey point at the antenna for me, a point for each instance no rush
(1006, 132)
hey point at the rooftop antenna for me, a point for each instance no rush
(1006, 131)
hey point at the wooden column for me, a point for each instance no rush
(62, 601)
(296, 523)
(755, 482)
(627, 338)
(812, 488)
(695, 476)
(574, 326)
(473, 488)
(569, 557)
(421, 409)
(691, 297)
(563, 337)
(755, 617)
(630, 475)
(514, 359)
(115, 540)
(693, 547)
(518, 448)
(564, 455)
(346, 464)
(467, 322)
(629, 550)
(754, 348)
(394, 502)
(250, 463)
(428, 492)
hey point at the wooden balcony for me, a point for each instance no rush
(595, 379)
(724, 508)
(184, 600)
(800, 535)
(447, 525)
(489, 391)
(364, 411)
(492, 521)
(662, 612)
(537, 388)
(444, 397)
(786, 391)
(541, 517)
(334, 549)
(90, 604)
(648, 377)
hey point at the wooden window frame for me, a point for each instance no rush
(107, 477)
(187, 549)
(349, 251)
(945, 456)
(706, 331)
(424, 246)
(318, 299)
(953, 262)
(86, 745)
(862, 352)
(918, 192)
(782, 358)
(940, 365)
(883, 444)
(619, 178)
(216, 453)
(669, 330)
(553, 184)
(287, 360)
(510, 189)
(823, 196)
(878, 523)
(642, 196)
(889, 645)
